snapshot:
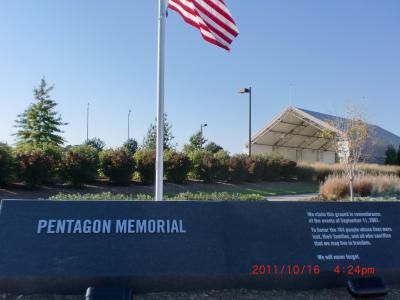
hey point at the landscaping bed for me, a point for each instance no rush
(103, 190)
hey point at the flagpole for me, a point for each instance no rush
(160, 100)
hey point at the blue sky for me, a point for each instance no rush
(104, 52)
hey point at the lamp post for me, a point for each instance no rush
(201, 134)
(87, 122)
(248, 91)
(129, 114)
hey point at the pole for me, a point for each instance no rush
(87, 122)
(249, 121)
(129, 114)
(160, 100)
(201, 136)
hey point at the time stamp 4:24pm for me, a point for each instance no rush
(350, 270)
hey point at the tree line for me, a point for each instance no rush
(40, 124)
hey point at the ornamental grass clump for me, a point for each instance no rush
(118, 165)
(337, 187)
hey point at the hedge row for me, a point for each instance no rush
(83, 164)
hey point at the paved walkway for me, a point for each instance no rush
(300, 197)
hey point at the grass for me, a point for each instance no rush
(181, 196)
(243, 192)
(336, 187)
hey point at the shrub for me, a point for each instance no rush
(222, 158)
(237, 169)
(204, 165)
(7, 164)
(117, 165)
(36, 166)
(288, 169)
(272, 170)
(176, 166)
(145, 165)
(255, 168)
(304, 172)
(79, 164)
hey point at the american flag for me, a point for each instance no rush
(211, 17)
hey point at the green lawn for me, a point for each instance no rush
(196, 191)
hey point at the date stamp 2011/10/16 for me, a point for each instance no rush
(350, 270)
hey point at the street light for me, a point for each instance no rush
(129, 114)
(201, 133)
(248, 91)
(87, 122)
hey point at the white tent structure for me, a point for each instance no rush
(296, 133)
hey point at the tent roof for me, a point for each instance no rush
(377, 141)
(300, 129)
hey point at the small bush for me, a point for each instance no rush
(222, 158)
(7, 164)
(176, 166)
(145, 165)
(117, 165)
(79, 164)
(36, 166)
(204, 165)
(237, 169)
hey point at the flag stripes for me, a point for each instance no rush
(211, 17)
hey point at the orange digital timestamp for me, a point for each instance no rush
(354, 270)
(265, 270)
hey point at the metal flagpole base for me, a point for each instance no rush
(108, 293)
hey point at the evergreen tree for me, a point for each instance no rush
(40, 123)
(96, 143)
(150, 141)
(131, 146)
(213, 147)
(398, 156)
(391, 155)
(196, 142)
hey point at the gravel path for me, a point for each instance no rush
(326, 294)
